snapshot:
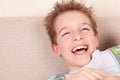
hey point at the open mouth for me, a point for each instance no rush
(80, 49)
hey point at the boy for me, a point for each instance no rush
(74, 37)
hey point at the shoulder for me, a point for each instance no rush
(115, 53)
(112, 51)
(115, 50)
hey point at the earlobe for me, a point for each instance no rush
(55, 49)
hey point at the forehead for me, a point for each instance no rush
(70, 18)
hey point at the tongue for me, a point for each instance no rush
(80, 51)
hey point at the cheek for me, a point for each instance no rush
(63, 45)
(95, 42)
(64, 41)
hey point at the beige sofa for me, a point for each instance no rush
(25, 52)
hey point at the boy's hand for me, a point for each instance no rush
(88, 74)
(112, 78)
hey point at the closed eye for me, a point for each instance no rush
(86, 29)
(66, 34)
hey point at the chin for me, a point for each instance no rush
(85, 62)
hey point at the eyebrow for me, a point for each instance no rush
(86, 24)
(66, 27)
(61, 30)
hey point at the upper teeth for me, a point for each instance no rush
(79, 47)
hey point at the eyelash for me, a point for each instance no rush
(86, 29)
(81, 30)
(65, 33)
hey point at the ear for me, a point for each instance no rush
(97, 40)
(55, 49)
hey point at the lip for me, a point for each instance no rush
(78, 46)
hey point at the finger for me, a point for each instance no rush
(90, 75)
(96, 73)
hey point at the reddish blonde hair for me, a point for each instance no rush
(62, 7)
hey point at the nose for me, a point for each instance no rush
(77, 37)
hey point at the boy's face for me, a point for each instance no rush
(75, 39)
